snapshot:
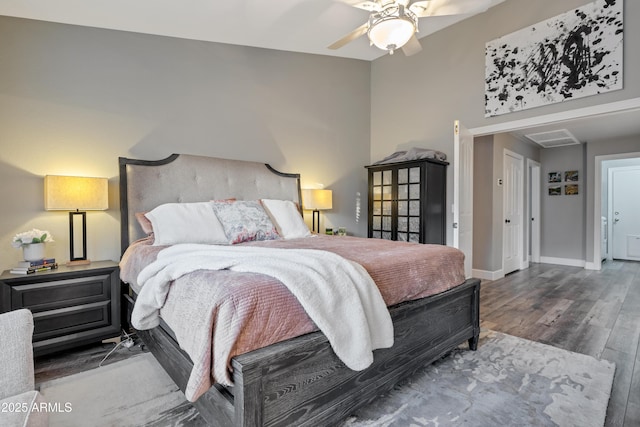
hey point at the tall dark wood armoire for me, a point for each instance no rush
(407, 201)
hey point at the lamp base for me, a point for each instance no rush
(313, 220)
(78, 262)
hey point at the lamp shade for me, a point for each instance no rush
(391, 34)
(392, 27)
(75, 193)
(317, 199)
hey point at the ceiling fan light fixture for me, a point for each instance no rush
(392, 27)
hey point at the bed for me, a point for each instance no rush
(298, 381)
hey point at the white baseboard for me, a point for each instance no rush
(591, 266)
(563, 261)
(487, 275)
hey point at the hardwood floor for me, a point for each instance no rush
(80, 359)
(590, 312)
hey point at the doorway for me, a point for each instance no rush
(616, 108)
(623, 213)
(600, 163)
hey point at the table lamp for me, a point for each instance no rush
(316, 201)
(76, 194)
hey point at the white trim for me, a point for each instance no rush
(563, 261)
(610, 210)
(609, 250)
(578, 113)
(534, 256)
(597, 203)
(487, 275)
(591, 266)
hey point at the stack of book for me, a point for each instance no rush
(28, 267)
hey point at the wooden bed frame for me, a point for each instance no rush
(300, 381)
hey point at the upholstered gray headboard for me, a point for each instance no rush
(145, 184)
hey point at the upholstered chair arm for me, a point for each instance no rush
(16, 353)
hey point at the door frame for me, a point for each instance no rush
(610, 199)
(532, 210)
(458, 179)
(597, 205)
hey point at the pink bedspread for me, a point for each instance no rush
(240, 312)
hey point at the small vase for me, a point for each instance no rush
(33, 251)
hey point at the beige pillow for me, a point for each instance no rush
(286, 217)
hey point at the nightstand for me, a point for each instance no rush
(71, 306)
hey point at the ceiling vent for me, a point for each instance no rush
(554, 138)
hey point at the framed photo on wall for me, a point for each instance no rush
(571, 176)
(571, 189)
(555, 177)
(555, 190)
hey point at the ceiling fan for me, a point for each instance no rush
(393, 24)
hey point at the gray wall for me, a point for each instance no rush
(488, 196)
(416, 99)
(563, 217)
(484, 249)
(73, 99)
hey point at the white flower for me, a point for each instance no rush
(32, 236)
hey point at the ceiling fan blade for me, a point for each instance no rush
(448, 7)
(369, 5)
(412, 47)
(361, 30)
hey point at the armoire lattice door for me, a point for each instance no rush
(407, 201)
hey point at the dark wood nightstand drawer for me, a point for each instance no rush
(64, 321)
(48, 295)
(71, 305)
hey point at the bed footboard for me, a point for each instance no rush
(302, 382)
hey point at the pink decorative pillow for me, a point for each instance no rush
(144, 222)
(245, 221)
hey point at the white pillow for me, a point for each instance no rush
(286, 217)
(186, 223)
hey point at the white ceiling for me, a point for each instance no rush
(307, 26)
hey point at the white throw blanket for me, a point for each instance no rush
(337, 294)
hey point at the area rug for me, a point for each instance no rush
(509, 381)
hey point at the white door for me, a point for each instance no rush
(534, 219)
(463, 194)
(512, 202)
(626, 213)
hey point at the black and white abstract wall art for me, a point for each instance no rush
(572, 55)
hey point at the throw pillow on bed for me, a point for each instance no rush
(244, 221)
(286, 217)
(175, 223)
(147, 226)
